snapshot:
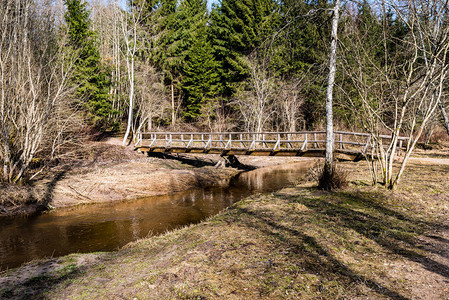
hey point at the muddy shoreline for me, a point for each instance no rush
(118, 173)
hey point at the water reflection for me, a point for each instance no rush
(105, 227)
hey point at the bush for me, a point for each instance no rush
(332, 178)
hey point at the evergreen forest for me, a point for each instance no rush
(72, 69)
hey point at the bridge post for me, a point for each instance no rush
(154, 137)
(304, 146)
(209, 142)
(366, 146)
(278, 142)
(253, 142)
(189, 144)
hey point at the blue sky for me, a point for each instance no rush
(209, 3)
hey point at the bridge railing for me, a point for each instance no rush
(251, 141)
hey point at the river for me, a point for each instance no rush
(108, 226)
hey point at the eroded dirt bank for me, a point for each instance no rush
(298, 243)
(109, 172)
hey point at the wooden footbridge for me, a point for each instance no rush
(348, 145)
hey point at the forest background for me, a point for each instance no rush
(72, 70)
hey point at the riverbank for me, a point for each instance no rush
(360, 243)
(106, 172)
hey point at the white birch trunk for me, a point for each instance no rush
(330, 86)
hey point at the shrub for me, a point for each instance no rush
(332, 178)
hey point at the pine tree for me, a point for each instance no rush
(200, 77)
(181, 31)
(237, 28)
(301, 49)
(91, 80)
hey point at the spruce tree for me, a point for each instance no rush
(91, 81)
(200, 77)
(181, 31)
(303, 41)
(237, 28)
(302, 51)
(183, 42)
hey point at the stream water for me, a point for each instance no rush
(106, 227)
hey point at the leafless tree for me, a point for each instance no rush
(215, 117)
(130, 29)
(401, 96)
(34, 72)
(255, 103)
(289, 102)
(152, 101)
(107, 20)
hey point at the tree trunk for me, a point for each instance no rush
(131, 103)
(445, 118)
(173, 109)
(330, 86)
(130, 57)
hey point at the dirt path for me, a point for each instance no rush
(430, 160)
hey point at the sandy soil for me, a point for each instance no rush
(107, 171)
(144, 176)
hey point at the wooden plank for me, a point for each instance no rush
(251, 143)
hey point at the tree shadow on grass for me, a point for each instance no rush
(363, 214)
(30, 199)
(50, 186)
(37, 279)
(388, 228)
(316, 259)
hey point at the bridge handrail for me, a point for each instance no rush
(267, 132)
(251, 141)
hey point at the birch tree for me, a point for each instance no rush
(129, 26)
(330, 139)
(401, 96)
(107, 18)
(34, 72)
(256, 103)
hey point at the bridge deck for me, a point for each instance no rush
(349, 145)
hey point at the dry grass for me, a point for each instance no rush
(331, 178)
(361, 243)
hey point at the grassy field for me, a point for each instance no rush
(360, 243)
